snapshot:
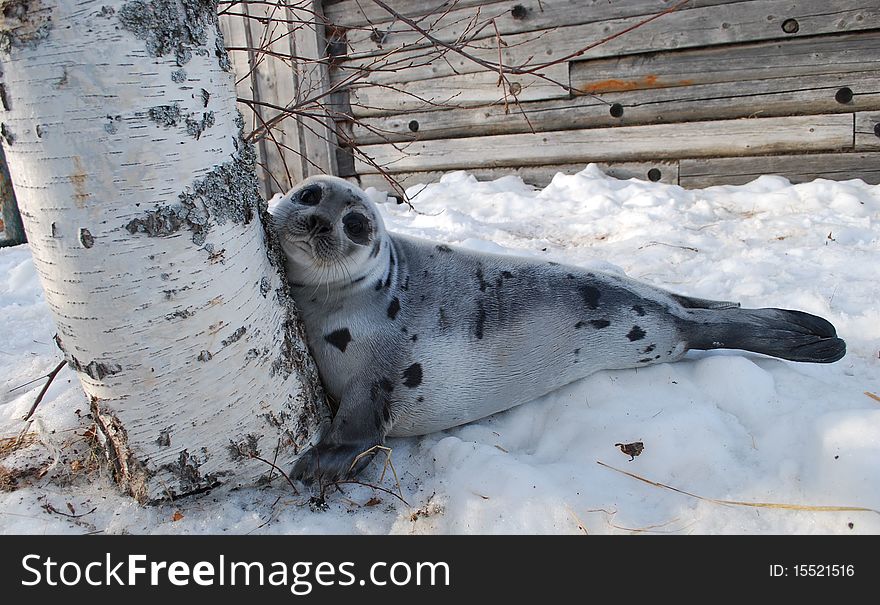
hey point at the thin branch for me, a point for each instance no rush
(51, 376)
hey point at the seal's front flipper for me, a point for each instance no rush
(360, 425)
(328, 462)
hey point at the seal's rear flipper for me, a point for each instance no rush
(791, 335)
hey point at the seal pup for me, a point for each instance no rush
(412, 336)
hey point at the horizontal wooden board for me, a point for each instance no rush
(713, 25)
(697, 173)
(510, 17)
(467, 90)
(755, 61)
(626, 143)
(763, 98)
(867, 130)
(353, 13)
(539, 176)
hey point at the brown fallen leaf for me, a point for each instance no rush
(631, 449)
(373, 501)
(177, 516)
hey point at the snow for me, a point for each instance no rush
(722, 425)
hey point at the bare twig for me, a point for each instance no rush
(51, 376)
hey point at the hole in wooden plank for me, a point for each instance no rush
(413, 125)
(616, 110)
(844, 95)
(518, 12)
(515, 88)
(877, 129)
(790, 26)
(654, 175)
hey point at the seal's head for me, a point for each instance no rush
(329, 230)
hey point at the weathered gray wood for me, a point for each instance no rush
(538, 176)
(697, 173)
(314, 127)
(628, 143)
(352, 13)
(468, 90)
(297, 146)
(273, 80)
(465, 20)
(723, 24)
(867, 130)
(755, 61)
(727, 100)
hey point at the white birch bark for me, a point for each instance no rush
(140, 203)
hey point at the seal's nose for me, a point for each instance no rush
(318, 225)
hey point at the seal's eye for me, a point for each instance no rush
(357, 227)
(310, 196)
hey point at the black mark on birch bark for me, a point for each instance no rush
(95, 369)
(227, 193)
(86, 238)
(25, 24)
(178, 27)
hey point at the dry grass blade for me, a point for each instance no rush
(802, 507)
(873, 396)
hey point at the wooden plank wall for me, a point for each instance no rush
(715, 92)
(278, 54)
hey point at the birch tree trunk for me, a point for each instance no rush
(140, 202)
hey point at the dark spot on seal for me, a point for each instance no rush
(639, 309)
(420, 399)
(591, 296)
(393, 308)
(405, 286)
(570, 276)
(339, 338)
(404, 330)
(577, 351)
(636, 333)
(378, 285)
(645, 360)
(443, 248)
(412, 376)
(481, 280)
(650, 348)
(552, 263)
(481, 321)
(507, 275)
(600, 324)
(383, 384)
(414, 337)
(579, 325)
(386, 412)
